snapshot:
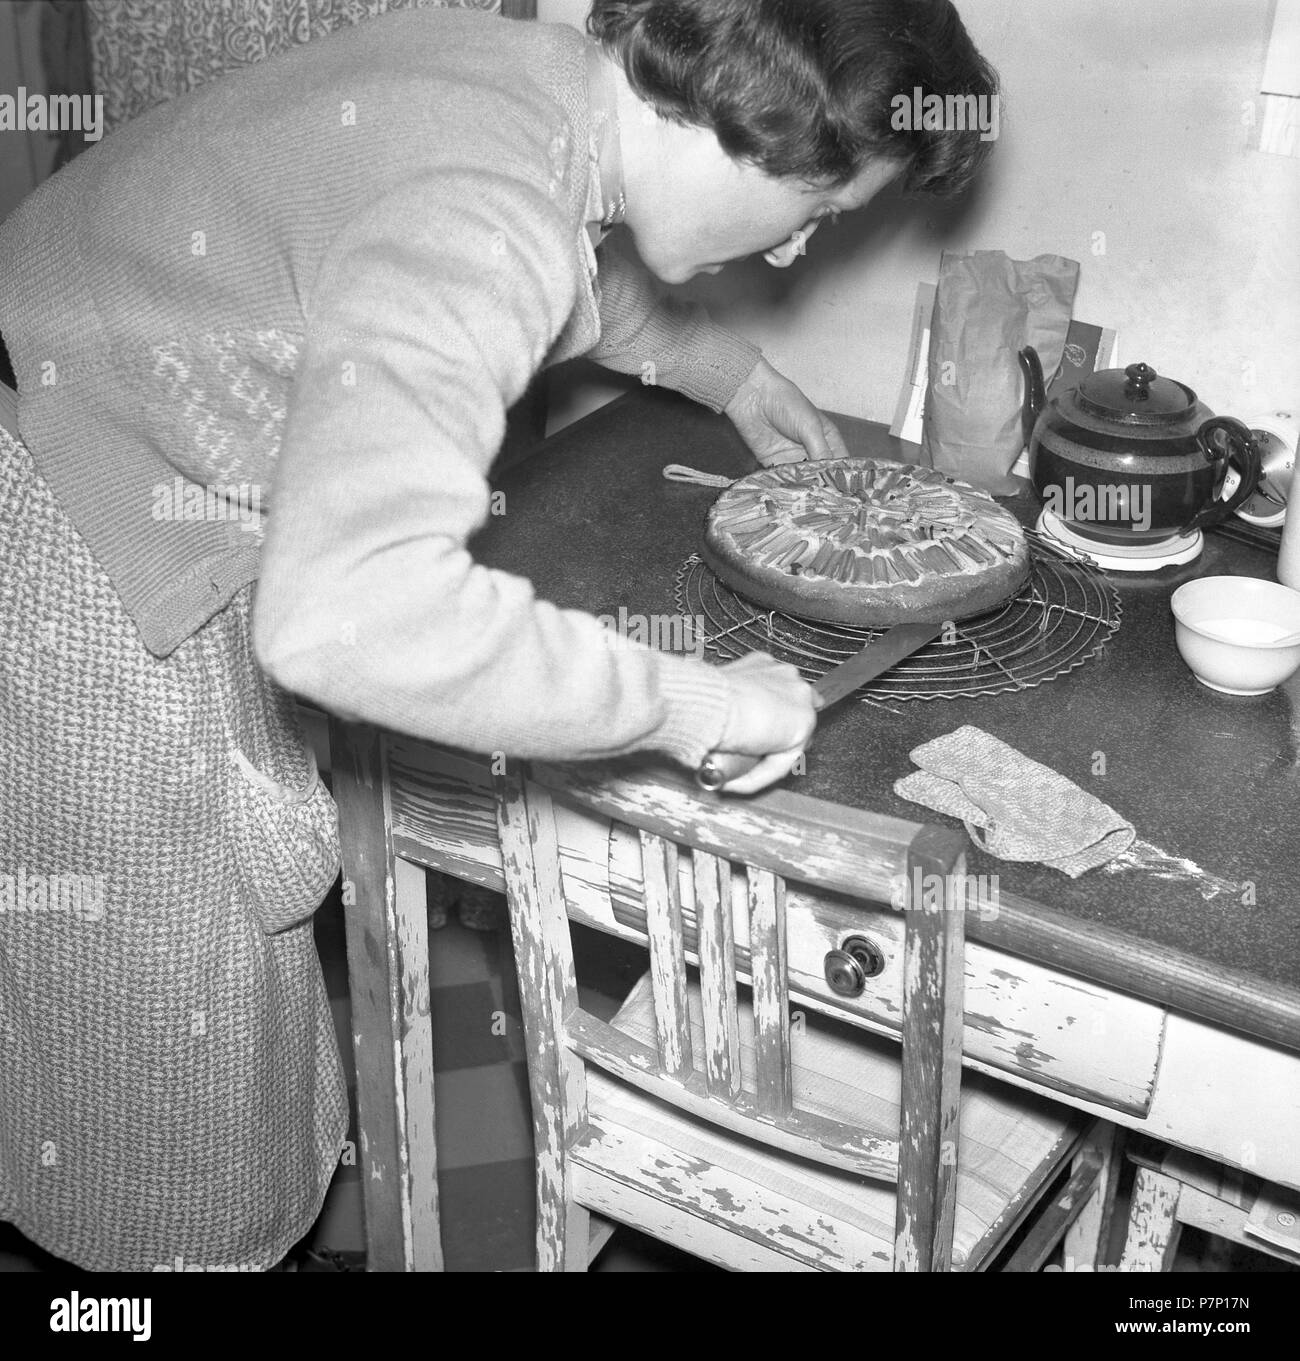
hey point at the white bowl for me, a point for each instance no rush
(1228, 630)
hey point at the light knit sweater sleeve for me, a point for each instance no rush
(428, 317)
(666, 342)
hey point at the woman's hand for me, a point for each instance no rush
(772, 715)
(779, 423)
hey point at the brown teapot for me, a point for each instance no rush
(1132, 456)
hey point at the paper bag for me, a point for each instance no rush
(987, 309)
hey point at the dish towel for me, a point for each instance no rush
(1013, 807)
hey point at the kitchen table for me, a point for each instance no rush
(1150, 1001)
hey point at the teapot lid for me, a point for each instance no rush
(1137, 395)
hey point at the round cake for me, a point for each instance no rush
(852, 541)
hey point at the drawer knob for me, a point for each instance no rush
(867, 953)
(848, 968)
(844, 974)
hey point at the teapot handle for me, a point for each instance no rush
(1035, 398)
(1243, 453)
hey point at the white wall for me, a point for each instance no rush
(1121, 119)
(563, 11)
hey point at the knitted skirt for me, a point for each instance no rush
(170, 1085)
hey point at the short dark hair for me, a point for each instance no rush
(805, 89)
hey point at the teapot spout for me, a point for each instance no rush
(1035, 392)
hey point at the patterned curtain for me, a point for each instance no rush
(146, 51)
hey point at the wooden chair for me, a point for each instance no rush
(1173, 1188)
(706, 1119)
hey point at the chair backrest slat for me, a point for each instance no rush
(717, 956)
(539, 918)
(771, 996)
(932, 1036)
(663, 907)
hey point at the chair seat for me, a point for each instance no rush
(816, 1217)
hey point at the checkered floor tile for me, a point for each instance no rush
(485, 1153)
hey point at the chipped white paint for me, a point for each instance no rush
(1055, 1030)
(388, 978)
(1153, 1228)
(1185, 1196)
(398, 1070)
(1231, 1100)
(667, 960)
(696, 1235)
(931, 1075)
(1087, 1044)
(415, 1111)
(800, 1132)
(743, 1211)
(859, 850)
(584, 1152)
(767, 930)
(710, 887)
(539, 926)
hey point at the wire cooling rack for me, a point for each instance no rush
(1063, 615)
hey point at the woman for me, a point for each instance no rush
(267, 334)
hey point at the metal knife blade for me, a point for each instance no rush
(877, 657)
(874, 660)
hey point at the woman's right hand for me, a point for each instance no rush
(772, 715)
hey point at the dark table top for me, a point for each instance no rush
(593, 523)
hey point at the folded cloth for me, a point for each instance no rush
(1026, 811)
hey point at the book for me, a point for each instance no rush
(909, 414)
(1087, 349)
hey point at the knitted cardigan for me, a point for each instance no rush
(273, 327)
